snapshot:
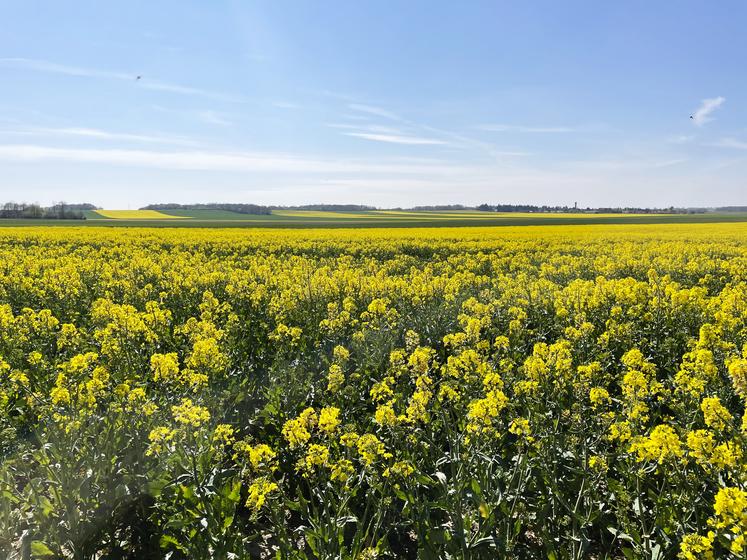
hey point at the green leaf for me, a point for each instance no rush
(620, 534)
(342, 521)
(187, 491)
(40, 550)
(168, 541)
(488, 541)
(235, 493)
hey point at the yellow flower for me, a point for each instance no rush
(137, 395)
(420, 359)
(635, 385)
(261, 456)
(258, 492)
(342, 470)
(525, 387)
(697, 547)
(60, 396)
(697, 369)
(223, 434)
(417, 407)
(122, 390)
(159, 439)
(662, 444)
(340, 355)
(308, 418)
(520, 427)
(35, 358)
(335, 378)
(206, 357)
(385, 415)
(350, 439)
(190, 414)
(397, 359)
(329, 419)
(382, 391)
(79, 363)
(165, 367)
(401, 469)
(598, 464)
(412, 339)
(295, 432)
(481, 412)
(730, 508)
(284, 332)
(726, 455)
(714, 413)
(316, 456)
(370, 448)
(738, 373)
(700, 443)
(620, 431)
(598, 396)
(447, 393)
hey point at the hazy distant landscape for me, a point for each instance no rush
(354, 216)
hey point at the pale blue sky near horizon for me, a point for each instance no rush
(384, 103)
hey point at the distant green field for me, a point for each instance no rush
(209, 214)
(374, 218)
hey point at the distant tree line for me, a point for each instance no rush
(576, 209)
(58, 211)
(437, 207)
(238, 208)
(257, 209)
(327, 207)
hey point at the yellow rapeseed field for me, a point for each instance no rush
(559, 392)
(137, 215)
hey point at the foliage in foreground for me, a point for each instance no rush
(548, 393)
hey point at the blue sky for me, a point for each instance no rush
(387, 103)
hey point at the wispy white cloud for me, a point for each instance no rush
(207, 116)
(667, 162)
(68, 70)
(357, 118)
(345, 126)
(396, 139)
(681, 138)
(214, 117)
(373, 110)
(627, 164)
(185, 90)
(521, 128)
(415, 133)
(387, 134)
(228, 161)
(730, 143)
(99, 134)
(145, 82)
(702, 114)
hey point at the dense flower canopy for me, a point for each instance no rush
(566, 392)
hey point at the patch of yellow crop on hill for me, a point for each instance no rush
(137, 215)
